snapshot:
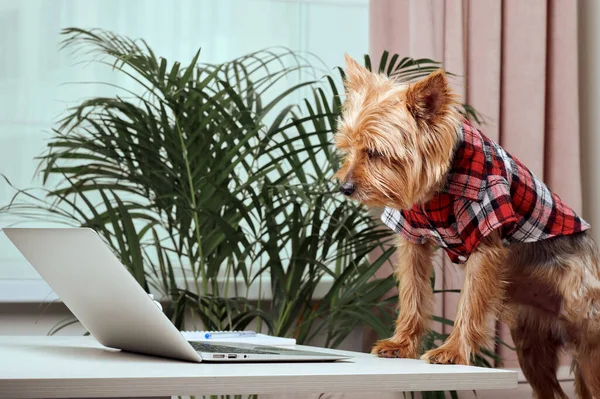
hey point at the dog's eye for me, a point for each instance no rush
(373, 153)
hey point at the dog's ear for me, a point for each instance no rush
(427, 99)
(356, 74)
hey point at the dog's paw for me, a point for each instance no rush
(445, 354)
(395, 349)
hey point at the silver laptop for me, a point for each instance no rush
(115, 309)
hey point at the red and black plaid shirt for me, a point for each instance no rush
(486, 189)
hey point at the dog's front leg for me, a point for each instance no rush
(414, 271)
(480, 299)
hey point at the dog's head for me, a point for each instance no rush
(397, 139)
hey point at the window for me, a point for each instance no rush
(37, 81)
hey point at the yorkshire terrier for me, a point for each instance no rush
(528, 258)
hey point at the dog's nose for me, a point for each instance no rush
(347, 188)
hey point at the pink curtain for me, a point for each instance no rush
(517, 62)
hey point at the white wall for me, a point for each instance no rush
(35, 319)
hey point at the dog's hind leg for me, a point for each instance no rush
(538, 341)
(587, 372)
(580, 384)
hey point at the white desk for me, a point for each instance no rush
(79, 367)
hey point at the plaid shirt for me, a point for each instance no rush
(486, 189)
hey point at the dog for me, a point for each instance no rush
(529, 259)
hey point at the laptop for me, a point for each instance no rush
(96, 287)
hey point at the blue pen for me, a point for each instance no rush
(230, 334)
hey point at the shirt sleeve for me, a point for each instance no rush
(396, 221)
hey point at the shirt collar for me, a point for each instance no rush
(470, 165)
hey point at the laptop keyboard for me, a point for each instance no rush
(212, 348)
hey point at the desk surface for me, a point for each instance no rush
(71, 367)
